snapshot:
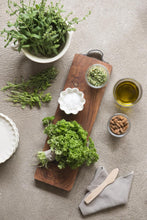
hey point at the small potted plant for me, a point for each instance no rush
(40, 30)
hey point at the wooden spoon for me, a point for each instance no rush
(110, 179)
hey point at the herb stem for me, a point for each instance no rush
(31, 92)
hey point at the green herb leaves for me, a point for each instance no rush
(97, 75)
(31, 92)
(39, 27)
(70, 143)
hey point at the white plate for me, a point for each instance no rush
(9, 138)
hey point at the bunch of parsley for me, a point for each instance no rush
(31, 92)
(70, 142)
(39, 28)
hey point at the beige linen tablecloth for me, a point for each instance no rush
(119, 29)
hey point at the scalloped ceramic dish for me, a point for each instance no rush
(9, 138)
(71, 100)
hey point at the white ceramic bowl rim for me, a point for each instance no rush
(45, 59)
(10, 139)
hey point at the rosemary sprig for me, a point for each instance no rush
(40, 81)
(26, 98)
(31, 92)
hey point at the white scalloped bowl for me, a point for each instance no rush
(71, 101)
(9, 138)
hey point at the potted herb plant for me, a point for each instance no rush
(40, 30)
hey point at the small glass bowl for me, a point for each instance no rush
(107, 77)
(71, 101)
(119, 135)
(127, 80)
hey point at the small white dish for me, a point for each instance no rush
(9, 138)
(42, 59)
(71, 101)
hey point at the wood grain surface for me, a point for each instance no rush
(65, 178)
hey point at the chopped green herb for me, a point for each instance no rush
(70, 143)
(97, 75)
(31, 92)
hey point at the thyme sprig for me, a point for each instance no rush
(31, 92)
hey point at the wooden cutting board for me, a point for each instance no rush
(64, 179)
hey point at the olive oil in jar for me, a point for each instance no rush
(126, 93)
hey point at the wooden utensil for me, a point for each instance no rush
(110, 179)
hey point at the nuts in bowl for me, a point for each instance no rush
(118, 125)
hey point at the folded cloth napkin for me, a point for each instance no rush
(114, 194)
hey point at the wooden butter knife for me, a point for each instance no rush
(110, 179)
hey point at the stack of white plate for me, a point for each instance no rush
(9, 138)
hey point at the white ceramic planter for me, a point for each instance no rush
(43, 59)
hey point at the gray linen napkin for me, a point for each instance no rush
(114, 194)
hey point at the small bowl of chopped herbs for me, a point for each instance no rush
(97, 76)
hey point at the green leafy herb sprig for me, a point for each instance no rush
(40, 28)
(70, 142)
(31, 92)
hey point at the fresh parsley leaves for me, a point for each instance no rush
(70, 142)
